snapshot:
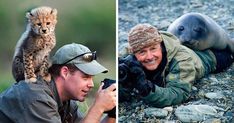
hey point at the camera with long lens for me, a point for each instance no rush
(107, 83)
(124, 71)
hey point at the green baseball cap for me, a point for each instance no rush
(79, 55)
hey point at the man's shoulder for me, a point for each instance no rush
(26, 92)
(27, 99)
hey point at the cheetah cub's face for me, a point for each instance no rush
(42, 20)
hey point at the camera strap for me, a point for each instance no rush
(65, 114)
(64, 108)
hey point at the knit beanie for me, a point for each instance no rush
(143, 35)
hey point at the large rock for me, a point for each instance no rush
(195, 113)
(155, 112)
(213, 95)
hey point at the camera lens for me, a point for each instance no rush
(123, 72)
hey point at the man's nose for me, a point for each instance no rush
(149, 55)
(90, 84)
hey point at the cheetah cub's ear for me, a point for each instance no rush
(54, 15)
(29, 15)
(54, 12)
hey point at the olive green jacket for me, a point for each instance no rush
(33, 103)
(183, 67)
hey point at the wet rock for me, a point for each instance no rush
(169, 109)
(213, 95)
(124, 49)
(195, 113)
(213, 120)
(229, 115)
(194, 88)
(164, 24)
(155, 112)
(122, 118)
(168, 121)
(213, 79)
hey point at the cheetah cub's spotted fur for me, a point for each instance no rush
(31, 57)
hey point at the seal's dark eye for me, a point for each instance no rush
(181, 28)
(198, 29)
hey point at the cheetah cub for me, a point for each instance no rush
(31, 57)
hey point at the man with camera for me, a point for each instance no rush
(160, 70)
(72, 70)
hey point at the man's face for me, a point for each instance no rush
(78, 84)
(150, 57)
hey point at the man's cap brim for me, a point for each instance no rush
(91, 68)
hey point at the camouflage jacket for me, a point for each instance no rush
(36, 103)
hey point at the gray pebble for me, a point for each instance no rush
(214, 95)
(156, 112)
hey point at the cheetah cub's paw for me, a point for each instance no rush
(47, 78)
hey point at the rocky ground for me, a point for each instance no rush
(212, 98)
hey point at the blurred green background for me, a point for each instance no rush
(89, 22)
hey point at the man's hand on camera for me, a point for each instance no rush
(107, 83)
(106, 98)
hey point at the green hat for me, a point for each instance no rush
(66, 53)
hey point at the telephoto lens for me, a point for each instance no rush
(123, 73)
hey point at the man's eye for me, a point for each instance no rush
(153, 48)
(141, 52)
(86, 77)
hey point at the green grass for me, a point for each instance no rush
(6, 80)
(4, 86)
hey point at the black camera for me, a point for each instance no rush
(107, 83)
(125, 76)
(123, 73)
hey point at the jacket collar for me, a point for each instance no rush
(171, 43)
(55, 94)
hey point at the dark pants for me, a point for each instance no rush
(224, 59)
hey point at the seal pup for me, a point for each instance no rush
(200, 32)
